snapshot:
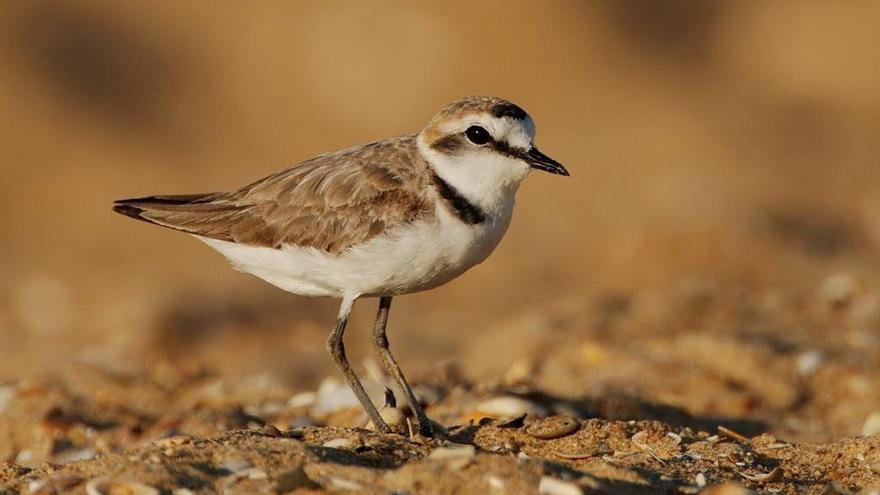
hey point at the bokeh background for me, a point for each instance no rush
(718, 150)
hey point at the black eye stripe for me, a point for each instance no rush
(454, 144)
(506, 150)
(451, 144)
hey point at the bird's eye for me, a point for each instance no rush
(478, 135)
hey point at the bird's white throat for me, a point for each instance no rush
(486, 179)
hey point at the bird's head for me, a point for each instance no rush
(484, 146)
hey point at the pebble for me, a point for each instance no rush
(553, 427)
(36, 486)
(106, 486)
(253, 474)
(344, 484)
(53, 485)
(553, 486)
(455, 458)
(236, 465)
(24, 457)
(304, 399)
(729, 488)
(871, 426)
(74, 455)
(509, 406)
(394, 418)
(809, 361)
(289, 481)
(838, 289)
(495, 483)
(457, 452)
(337, 443)
(333, 396)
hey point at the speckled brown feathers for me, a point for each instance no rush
(498, 107)
(330, 202)
(491, 105)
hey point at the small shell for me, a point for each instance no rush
(553, 486)
(344, 484)
(236, 465)
(107, 486)
(770, 477)
(337, 443)
(871, 426)
(457, 452)
(728, 488)
(394, 418)
(727, 432)
(553, 427)
(455, 458)
(495, 483)
(509, 406)
(302, 399)
(333, 396)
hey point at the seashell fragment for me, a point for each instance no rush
(509, 406)
(394, 418)
(107, 486)
(871, 426)
(337, 443)
(553, 427)
(770, 477)
(727, 432)
(457, 452)
(553, 486)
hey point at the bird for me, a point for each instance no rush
(379, 220)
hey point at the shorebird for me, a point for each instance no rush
(387, 218)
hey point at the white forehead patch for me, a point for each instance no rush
(516, 133)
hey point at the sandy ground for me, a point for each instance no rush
(694, 404)
(696, 308)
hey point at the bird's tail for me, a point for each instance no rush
(199, 214)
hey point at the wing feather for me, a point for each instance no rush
(330, 202)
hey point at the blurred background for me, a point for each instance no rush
(720, 151)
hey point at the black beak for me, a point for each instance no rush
(539, 160)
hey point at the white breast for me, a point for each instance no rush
(414, 257)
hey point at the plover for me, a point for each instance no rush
(387, 218)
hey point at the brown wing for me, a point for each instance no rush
(330, 202)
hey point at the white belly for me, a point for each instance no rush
(415, 257)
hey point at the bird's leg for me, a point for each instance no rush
(337, 350)
(380, 344)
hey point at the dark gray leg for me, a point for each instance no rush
(380, 343)
(337, 350)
